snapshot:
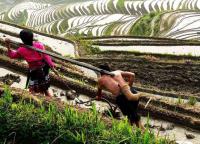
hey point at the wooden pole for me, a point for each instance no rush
(91, 67)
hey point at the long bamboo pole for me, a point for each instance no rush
(82, 64)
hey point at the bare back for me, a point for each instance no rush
(108, 83)
(119, 79)
(113, 84)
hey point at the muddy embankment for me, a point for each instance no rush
(139, 40)
(154, 73)
(185, 115)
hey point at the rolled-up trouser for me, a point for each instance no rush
(128, 107)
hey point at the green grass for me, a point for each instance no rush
(180, 100)
(85, 46)
(24, 122)
(192, 101)
(89, 48)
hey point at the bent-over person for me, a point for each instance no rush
(126, 96)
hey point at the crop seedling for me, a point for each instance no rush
(180, 100)
(192, 101)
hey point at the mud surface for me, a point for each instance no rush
(172, 131)
(180, 76)
(9, 79)
(12, 79)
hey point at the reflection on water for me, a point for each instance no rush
(174, 50)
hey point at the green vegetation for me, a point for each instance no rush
(143, 26)
(156, 28)
(68, 56)
(54, 29)
(84, 46)
(110, 28)
(189, 54)
(180, 100)
(64, 25)
(91, 8)
(192, 101)
(121, 6)
(88, 47)
(24, 122)
(21, 19)
(111, 6)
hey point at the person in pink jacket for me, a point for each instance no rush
(39, 64)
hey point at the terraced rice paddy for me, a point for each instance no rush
(152, 82)
(161, 18)
(65, 48)
(166, 68)
(173, 50)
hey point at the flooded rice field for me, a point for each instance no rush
(173, 50)
(63, 47)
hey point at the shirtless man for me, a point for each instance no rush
(126, 96)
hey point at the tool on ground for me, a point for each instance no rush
(148, 102)
(78, 101)
(112, 107)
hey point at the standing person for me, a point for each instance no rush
(38, 74)
(126, 96)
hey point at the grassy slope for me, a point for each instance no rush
(24, 122)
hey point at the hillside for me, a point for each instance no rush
(161, 18)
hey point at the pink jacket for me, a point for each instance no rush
(33, 58)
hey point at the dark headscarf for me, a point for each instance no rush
(27, 37)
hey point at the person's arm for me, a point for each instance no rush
(12, 53)
(130, 76)
(129, 94)
(99, 91)
(46, 57)
(7, 41)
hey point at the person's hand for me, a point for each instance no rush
(7, 42)
(98, 97)
(141, 95)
